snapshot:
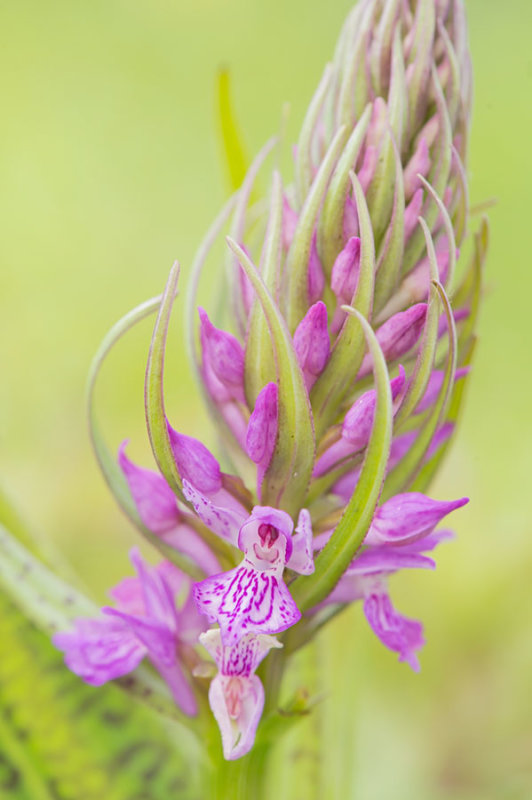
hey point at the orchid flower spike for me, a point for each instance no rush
(333, 377)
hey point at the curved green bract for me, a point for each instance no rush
(438, 176)
(402, 477)
(153, 389)
(303, 166)
(427, 351)
(297, 260)
(238, 229)
(421, 60)
(112, 473)
(260, 366)
(110, 469)
(338, 376)
(288, 475)
(448, 227)
(430, 467)
(349, 534)
(392, 246)
(330, 228)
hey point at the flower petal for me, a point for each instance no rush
(246, 600)
(302, 558)
(311, 342)
(406, 517)
(224, 522)
(195, 463)
(238, 735)
(398, 335)
(398, 633)
(101, 649)
(223, 355)
(262, 429)
(244, 657)
(155, 501)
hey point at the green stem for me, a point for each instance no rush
(244, 779)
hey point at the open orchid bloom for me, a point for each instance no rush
(236, 694)
(334, 380)
(253, 598)
(145, 622)
(366, 580)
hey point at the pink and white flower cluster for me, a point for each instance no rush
(371, 226)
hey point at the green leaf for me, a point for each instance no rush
(232, 145)
(349, 534)
(63, 740)
(340, 371)
(52, 604)
(288, 475)
(385, 33)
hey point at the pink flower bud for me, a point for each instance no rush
(407, 517)
(344, 277)
(398, 334)
(194, 462)
(311, 342)
(223, 355)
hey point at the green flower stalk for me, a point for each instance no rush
(335, 389)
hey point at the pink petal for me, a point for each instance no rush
(194, 462)
(311, 342)
(224, 355)
(398, 633)
(224, 522)
(245, 600)
(101, 649)
(302, 558)
(344, 276)
(152, 496)
(244, 657)
(433, 388)
(262, 429)
(237, 739)
(358, 421)
(407, 517)
(398, 335)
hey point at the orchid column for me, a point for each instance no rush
(334, 385)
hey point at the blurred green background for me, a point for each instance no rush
(110, 169)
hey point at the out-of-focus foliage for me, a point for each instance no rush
(110, 169)
(60, 739)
